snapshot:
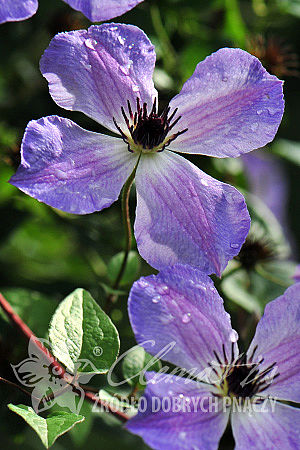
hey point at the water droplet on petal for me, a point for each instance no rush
(200, 286)
(233, 245)
(156, 299)
(123, 70)
(186, 318)
(135, 88)
(143, 283)
(60, 174)
(254, 126)
(121, 40)
(163, 289)
(182, 435)
(259, 111)
(204, 182)
(233, 336)
(90, 43)
(272, 111)
(224, 79)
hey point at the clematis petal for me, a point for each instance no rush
(278, 341)
(267, 430)
(230, 105)
(184, 215)
(105, 10)
(96, 71)
(268, 181)
(70, 168)
(179, 316)
(15, 10)
(195, 426)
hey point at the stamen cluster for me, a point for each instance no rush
(254, 251)
(241, 377)
(148, 131)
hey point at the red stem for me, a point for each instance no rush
(18, 322)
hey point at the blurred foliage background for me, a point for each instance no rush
(45, 254)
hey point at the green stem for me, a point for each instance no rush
(128, 235)
(268, 276)
(167, 47)
(230, 272)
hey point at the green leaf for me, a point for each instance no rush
(252, 291)
(118, 403)
(236, 288)
(48, 429)
(81, 332)
(264, 223)
(134, 364)
(80, 433)
(132, 268)
(34, 308)
(288, 150)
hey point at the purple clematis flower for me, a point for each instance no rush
(268, 181)
(94, 10)
(180, 310)
(16, 10)
(297, 274)
(229, 106)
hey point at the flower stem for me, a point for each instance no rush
(128, 236)
(167, 47)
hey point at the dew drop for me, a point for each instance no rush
(163, 289)
(259, 111)
(200, 286)
(233, 245)
(60, 174)
(186, 318)
(204, 182)
(233, 336)
(224, 79)
(90, 43)
(124, 70)
(135, 88)
(143, 283)
(272, 111)
(229, 197)
(156, 299)
(254, 126)
(182, 435)
(121, 40)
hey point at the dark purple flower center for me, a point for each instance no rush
(242, 377)
(254, 251)
(148, 130)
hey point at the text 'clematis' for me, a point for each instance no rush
(179, 314)
(229, 106)
(94, 10)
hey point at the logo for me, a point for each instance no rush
(52, 385)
